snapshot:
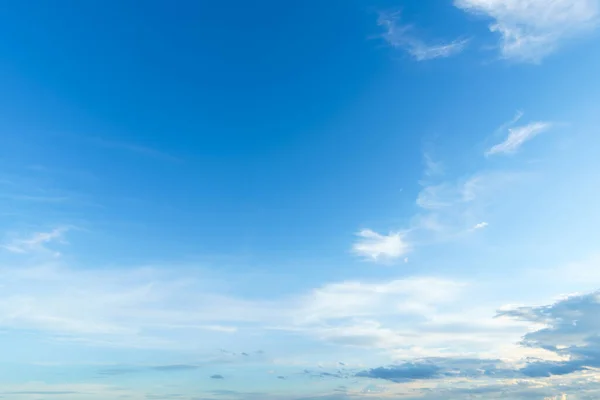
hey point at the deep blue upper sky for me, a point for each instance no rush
(261, 115)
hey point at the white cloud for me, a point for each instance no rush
(344, 300)
(168, 308)
(220, 328)
(375, 246)
(412, 317)
(400, 36)
(480, 225)
(36, 242)
(517, 137)
(532, 29)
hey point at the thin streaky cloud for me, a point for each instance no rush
(36, 242)
(432, 167)
(422, 52)
(517, 137)
(36, 199)
(518, 115)
(400, 36)
(134, 148)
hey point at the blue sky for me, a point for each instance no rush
(312, 200)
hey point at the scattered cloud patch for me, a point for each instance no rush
(217, 376)
(481, 225)
(402, 36)
(376, 247)
(517, 137)
(532, 29)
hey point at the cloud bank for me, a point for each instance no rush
(530, 30)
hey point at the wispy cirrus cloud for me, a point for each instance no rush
(517, 137)
(133, 148)
(433, 167)
(532, 29)
(402, 36)
(36, 242)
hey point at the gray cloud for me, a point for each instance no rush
(572, 330)
(403, 372)
(217, 376)
(435, 368)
